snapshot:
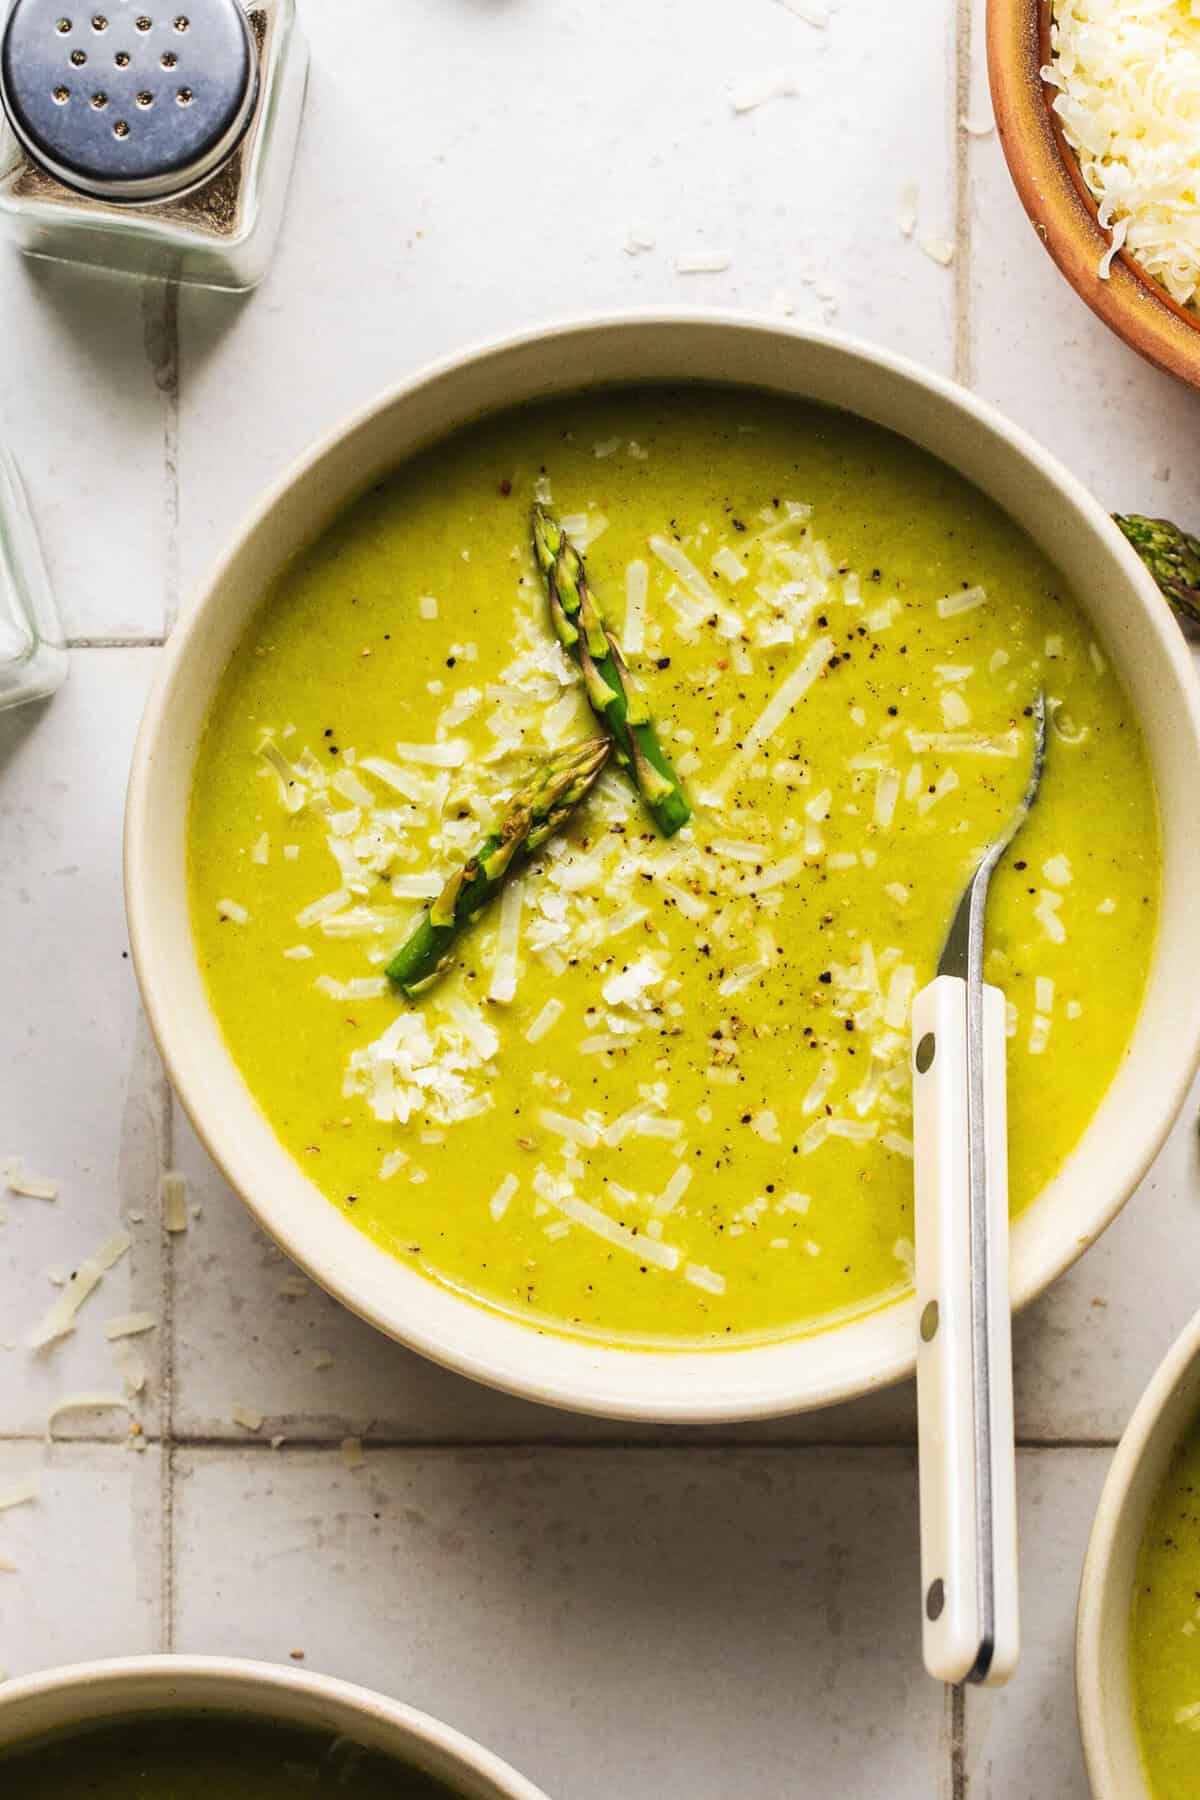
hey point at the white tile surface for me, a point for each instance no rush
(615, 1622)
(432, 208)
(1085, 1351)
(81, 1098)
(86, 1580)
(1020, 1741)
(81, 408)
(620, 1616)
(1126, 430)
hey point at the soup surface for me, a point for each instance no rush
(1165, 1635)
(691, 1120)
(205, 1756)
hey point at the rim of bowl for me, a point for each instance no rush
(150, 1684)
(1060, 205)
(1103, 1688)
(657, 1385)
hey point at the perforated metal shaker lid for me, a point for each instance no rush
(129, 99)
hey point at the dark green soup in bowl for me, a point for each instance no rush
(205, 1756)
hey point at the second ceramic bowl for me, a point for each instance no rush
(1103, 1682)
(88, 1694)
(1131, 620)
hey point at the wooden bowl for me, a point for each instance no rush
(1057, 199)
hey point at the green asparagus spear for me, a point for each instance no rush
(613, 693)
(533, 815)
(1172, 557)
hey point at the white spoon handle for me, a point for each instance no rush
(964, 1356)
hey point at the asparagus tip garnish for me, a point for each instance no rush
(533, 814)
(1172, 556)
(613, 693)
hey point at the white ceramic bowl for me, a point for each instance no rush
(90, 1693)
(1131, 619)
(1165, 1414)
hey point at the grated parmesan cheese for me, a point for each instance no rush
(812, 12)
(59, 1321)
(126, 1325)
(323, 908)
(939, 250)
(30, 1187)
(673, 1193)
(906, 209)
(955, 711)
(741, 977)
(726, 562)
(503, 984)
(1045, 911)
(969, 743)
(174, 1193)
(545, 1021)
(559, 1125)
(950, 605)
(637, 580)
(787, 695)
(19, 1493)
(451, 755)
(753, 91)
(1128, 80)
(499, 1203)
(815, 1097)
(672, 557)
(713, 262)
(887, 792)
(648, 1249)
(85, 1401)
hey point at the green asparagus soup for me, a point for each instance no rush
(663, 1090)
(1165, 1632)
(205, 1757)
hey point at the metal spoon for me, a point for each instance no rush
(964, 1358)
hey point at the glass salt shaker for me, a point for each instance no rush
(154, 137)
(33, 655)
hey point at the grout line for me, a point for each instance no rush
(958, 1743)
(115, 643)
(253, 1441)
(160, 334)
(205, 1441)
(963, 350)
(1068, 1443)
(963, 373)
(261, 1441)
(166, 1389)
